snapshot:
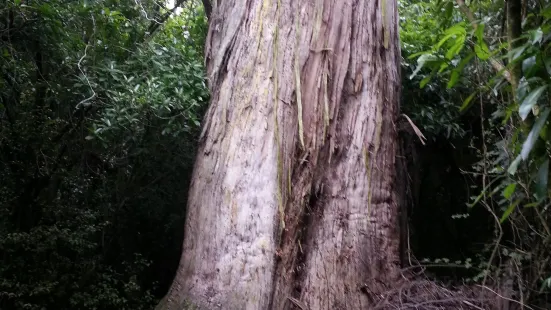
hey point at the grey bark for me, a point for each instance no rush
(293, 197)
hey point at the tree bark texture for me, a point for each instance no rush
(292, 202)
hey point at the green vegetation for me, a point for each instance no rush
(100, 110)
(100, 103)
(496, 76)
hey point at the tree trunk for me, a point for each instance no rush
(292, 200)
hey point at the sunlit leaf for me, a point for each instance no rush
(537, 36)
(530, 101)
(443, 40)
(456, 48)
(534, 134)
(509, 190)
(421, 61)
(515, 53)
(479, 33)
(454, 77)
(467, 102)
(514, 165)
(482, 51)
(546, 12)
(528, 64)
(425, 80)
(509, 210)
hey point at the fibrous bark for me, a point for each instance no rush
(292, 200)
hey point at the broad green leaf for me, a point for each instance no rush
(424, 81)
(537, 36)
(547, 62)
(530, 101)
(465, 61)
(514, 165)
(412, 56)
(546, 12)
(456, 48)
(467, 102)
(444, 39)
(457, 29)
(534, 134)
(532, 204)
(509, 190)
(517, 52)
(509, 210)
(449, 10)
(542, 180)
(453, 79)
(479, 33)
(443, 67)
(546, 284)
(46, 10)
(528, 64)
(421, 61)
(482, 51)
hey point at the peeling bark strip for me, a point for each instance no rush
(290, 209)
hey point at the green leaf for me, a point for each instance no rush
(456, 48)
(509, 190)
(516, 52)
(46, 10)
(466, 103)
(425, 80)
(537, 36)
(546, 284)
(546, 12)
(528, 64)
(532, 204)
(453, 79)
(534, 134)
(530, 100)
(482, 51)
(443, 67)
(421, 61)
(412, 56)
(542, 180)
(514, 165)
(457, 29)
(509, 210)
(465, 61)
(479, 33)
(443, 40)
(547, 62)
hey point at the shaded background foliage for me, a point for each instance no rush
(466, 47)
(100, 107)
(100, 103)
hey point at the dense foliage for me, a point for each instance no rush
(100, 102)
(494, 55)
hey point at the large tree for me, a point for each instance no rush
(293, 194)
